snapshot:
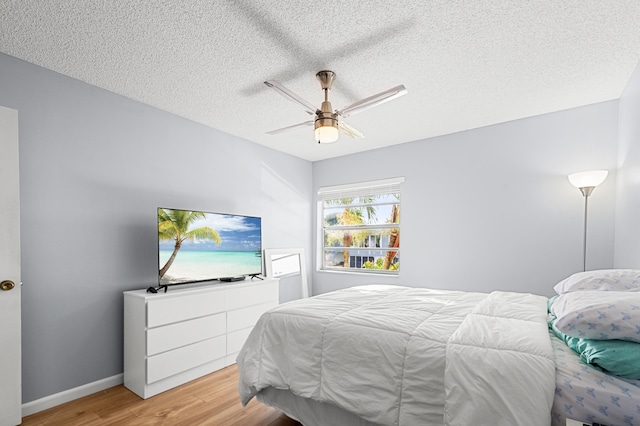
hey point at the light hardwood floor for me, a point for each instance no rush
(210, 400)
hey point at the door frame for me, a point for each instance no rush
(10, 300)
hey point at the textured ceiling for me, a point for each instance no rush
(466, 64)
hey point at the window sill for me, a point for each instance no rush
(369, 274)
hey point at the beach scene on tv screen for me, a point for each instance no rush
(200, 246)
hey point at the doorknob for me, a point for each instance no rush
(7, 285)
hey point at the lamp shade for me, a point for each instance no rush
(326, 134)
(588, 179)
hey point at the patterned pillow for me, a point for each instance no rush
(603, 280)
(599, 315)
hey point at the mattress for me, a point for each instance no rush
(586, 394)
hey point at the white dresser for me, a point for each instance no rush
(174, 337)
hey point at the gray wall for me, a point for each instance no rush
(491, 208)
(627, 248)
(94, 167)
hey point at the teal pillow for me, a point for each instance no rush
(616, 357)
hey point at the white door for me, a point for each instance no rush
(10, 338)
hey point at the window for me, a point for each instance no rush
(360, 229)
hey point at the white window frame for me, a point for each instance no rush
(353, 190)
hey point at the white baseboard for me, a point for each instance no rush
(70, 394)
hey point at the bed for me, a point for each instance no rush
(392, 355)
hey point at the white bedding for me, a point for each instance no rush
(398, 356)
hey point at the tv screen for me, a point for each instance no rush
(200, 246)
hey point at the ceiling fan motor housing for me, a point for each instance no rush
(325, 116)
(329, 120)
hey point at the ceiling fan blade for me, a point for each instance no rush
(348, 130)
(286, 129)
(372, 101)
(306, 105)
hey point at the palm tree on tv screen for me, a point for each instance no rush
(174, 225)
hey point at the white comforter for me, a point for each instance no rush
(408, 356)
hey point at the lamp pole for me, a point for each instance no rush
(586, 191)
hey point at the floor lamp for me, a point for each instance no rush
(586, 183)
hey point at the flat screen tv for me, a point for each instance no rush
(196, 246)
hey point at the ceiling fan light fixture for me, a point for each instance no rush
(326, 130)
(326, 125)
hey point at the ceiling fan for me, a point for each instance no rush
(328, 123)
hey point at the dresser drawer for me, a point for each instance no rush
(162, 339)
(236, 339)
(168, 310)
(182, 359)
(247, 317)
(252, 295)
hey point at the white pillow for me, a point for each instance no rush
(599, 315)
(603, 280)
